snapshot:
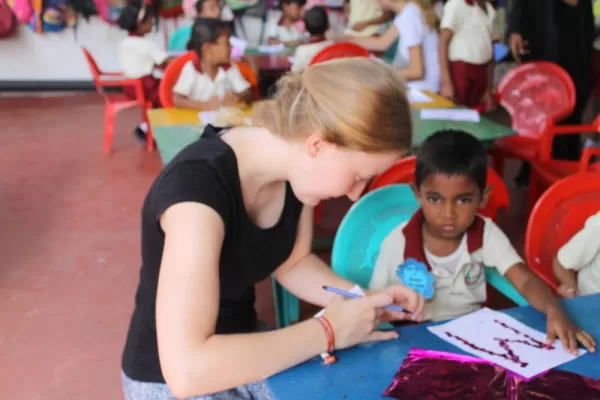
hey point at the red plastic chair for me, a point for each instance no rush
(113, 103)
(339, 50)
(558, 215)
(404, 172)
(545, 171)
(173, 71)
(533, 94)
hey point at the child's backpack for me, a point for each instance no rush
(8, 20)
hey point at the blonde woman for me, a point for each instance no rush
(416, 27)
(235, 207)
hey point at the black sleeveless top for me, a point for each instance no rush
(206, 172)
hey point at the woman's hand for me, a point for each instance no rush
(560, 325)
(518, 46)
(355, 321)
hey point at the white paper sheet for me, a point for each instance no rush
(272, 48)
(450, 114)
(208, 117)
(515, 346)
(416, 96)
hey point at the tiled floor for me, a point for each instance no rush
(69, 241)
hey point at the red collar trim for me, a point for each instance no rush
(135, 34)
(316, 39)
(198, 65)
(413, 237)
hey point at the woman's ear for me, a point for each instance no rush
(314, 145)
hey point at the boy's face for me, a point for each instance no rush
(450, 203)
(211, 9)
(292, 11)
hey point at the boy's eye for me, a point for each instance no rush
(433, 199)
(465, 201)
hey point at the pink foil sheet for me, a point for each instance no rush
(429, 375)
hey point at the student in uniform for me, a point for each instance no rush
(285, 30)
(467, 52)
(211, 80)
(416, 26)
(316, 22)
(235, 207)
(366, 17)
(454, 242)
(139, 56)
(577, 264)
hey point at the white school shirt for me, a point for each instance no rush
(460, 288)
(473, 31)
(363, 10)
(305, 53)
(139, 56)
(582, 253)
(276, 30)
(198, 86)
(413, 31)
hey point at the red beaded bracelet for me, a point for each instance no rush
(329, 332)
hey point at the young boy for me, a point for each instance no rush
(581, 253)
(316, 22)
(285, 30)
(455, 243)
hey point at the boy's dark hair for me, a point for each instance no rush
(206, 30)
(200, 6)
(129, 16)
(316, 20)
(301, 3)
(452, 152)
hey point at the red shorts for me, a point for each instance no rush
(470, 82)
(596, 72)
(150, 87)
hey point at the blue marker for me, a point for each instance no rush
(356, 296)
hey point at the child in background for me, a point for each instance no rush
(454, 242)
(417, 56)
(211, 80)
(316, 22)
(581, 253)
(140, 56)
(285, 30)
(201, 9)
(467, 52)
(365, 17)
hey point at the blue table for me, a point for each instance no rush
(364, 372)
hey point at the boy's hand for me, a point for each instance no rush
(567, 291)
(359, 26)
(560, 325)
(488, 100)
(447, 90)
(231, 99)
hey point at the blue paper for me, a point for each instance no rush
(414, 274)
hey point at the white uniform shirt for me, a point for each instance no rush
(276, 30)
(473, 31)
(305, 53)
(458, 290)
(139, 56)
(582, 253)
(198, 86)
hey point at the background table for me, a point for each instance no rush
(174, 129)
(364, 372)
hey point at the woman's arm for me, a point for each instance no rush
(193, 359)
(377, 43)
(303, 273)
(416, 69)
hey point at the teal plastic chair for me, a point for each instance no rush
(369, 221)
(179, 38)
(287, 306)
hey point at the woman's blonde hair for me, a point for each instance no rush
(429, 15)
(356, 103)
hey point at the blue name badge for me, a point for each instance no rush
(415, 275)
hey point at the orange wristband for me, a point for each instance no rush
(329, 333)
